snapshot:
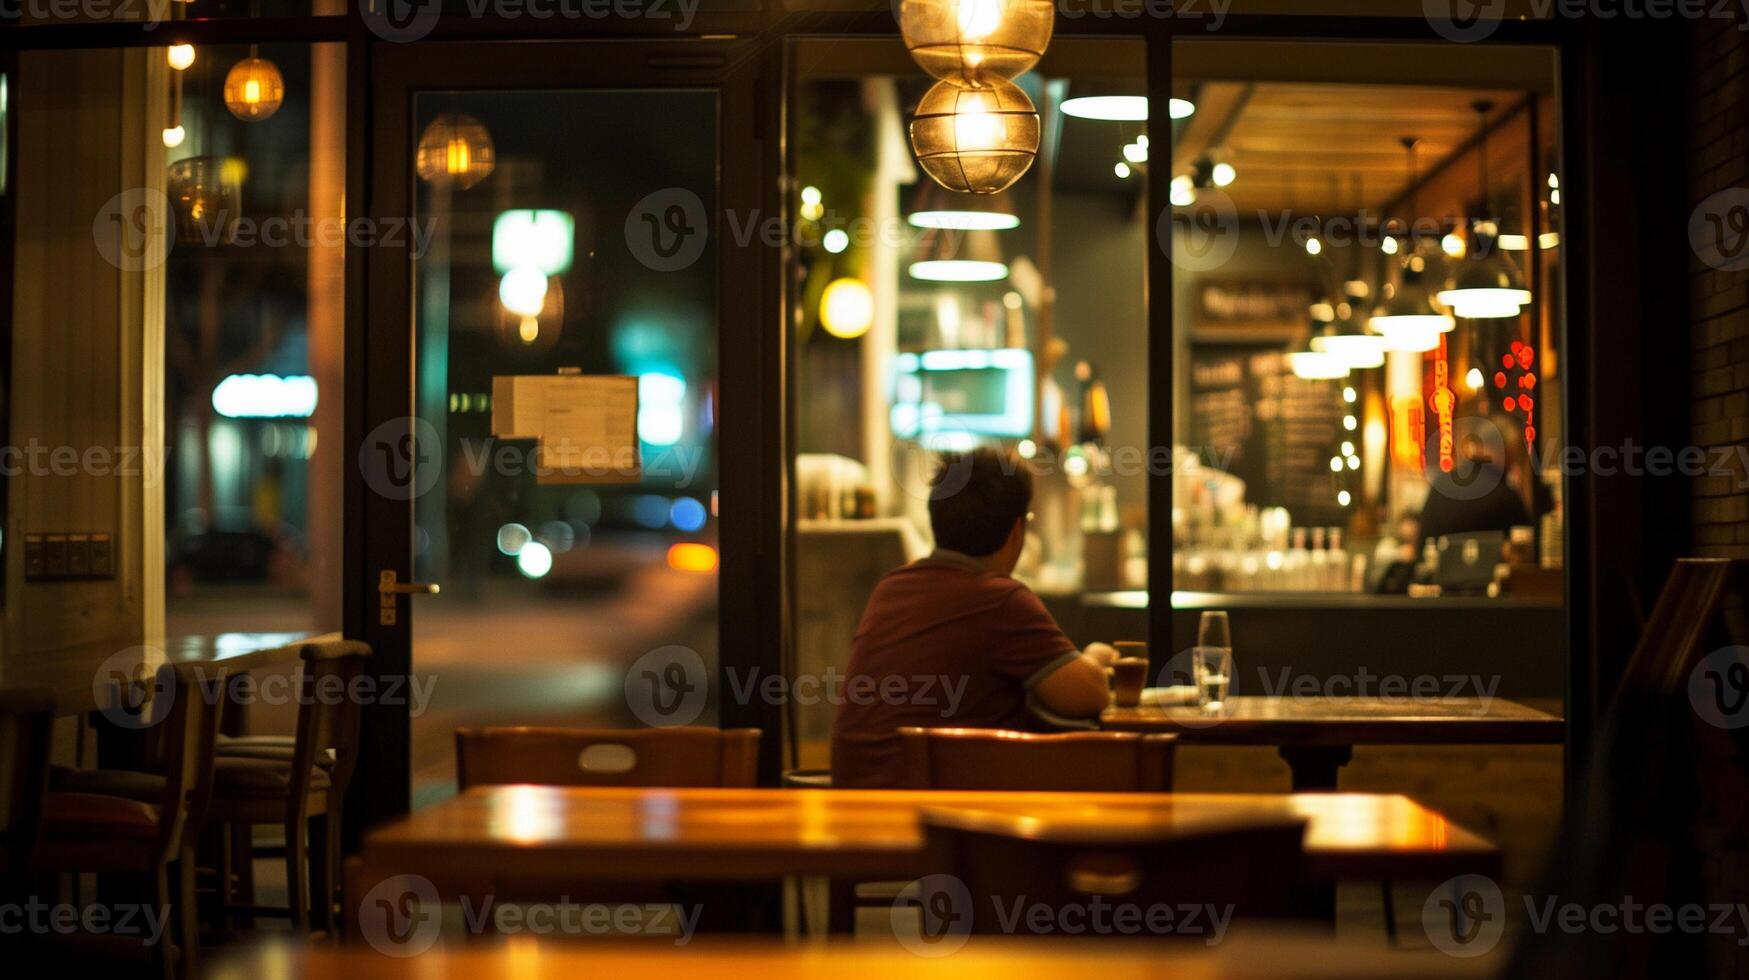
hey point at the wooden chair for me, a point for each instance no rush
(303, 790)
(1083, 762)
(86, 831)
(1249, 872)
(995, 759)
(27, 719)
(686, 756)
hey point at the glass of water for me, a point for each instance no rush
(1212, 660)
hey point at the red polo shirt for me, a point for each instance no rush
(941, 643)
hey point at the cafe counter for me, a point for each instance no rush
(1516, 644)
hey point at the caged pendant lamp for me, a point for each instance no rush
(973, 43)
(975, 140)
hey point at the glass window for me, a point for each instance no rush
(931, 320)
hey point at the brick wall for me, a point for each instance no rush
(1717, 158)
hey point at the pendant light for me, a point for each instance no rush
(455, 149)
(1311, 365)
(973, 43)
(1486, 284)
(1348, 341)
(254, 88)
(1408, 319)
(975, 140)
(948, 256)
(935, 208)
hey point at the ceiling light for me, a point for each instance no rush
(976, 141)
(958, 270)
(1122, 108)
(964, 220)
(974, 42)
(1486, 286)
(835, 241)
(254, 88)
(1135, 153)
(174, 135)
(1182, 192)
(1122, 169)
(1316, 366)
(1223, 174)
(180, 56)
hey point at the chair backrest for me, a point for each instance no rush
(190, 732)
(1697, 595)
(1087, 762)
(27, 719)
(1234, 873)
(329, 709)
(686, 756)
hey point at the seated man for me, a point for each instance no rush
(951, 640)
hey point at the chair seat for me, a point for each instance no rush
(241, 776)
(268, 747)
(71, 814)
(143, 787)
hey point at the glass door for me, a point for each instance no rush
(545, 440)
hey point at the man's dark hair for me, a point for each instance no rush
(974, 500)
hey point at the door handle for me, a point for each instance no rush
(389, 586)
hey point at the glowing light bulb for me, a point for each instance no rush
(1122, 170)
(1314, 246)
(174, 135)
(180, 56)
(979, 19)
(1452, 245)
(523, 291)
(1223, 174)
(1388, 246)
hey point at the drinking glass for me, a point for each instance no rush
(1212, 660)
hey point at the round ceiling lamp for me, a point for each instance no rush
(847, 308)
(975, 140)
(1311, 365)
(254, 88)
(1408, 319)
(1122, 108)
(534, 324)
(206, 197)
(1485, 285)
(973, 43)
(1347, 341)
(455, 149)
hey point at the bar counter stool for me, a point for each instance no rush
(151, 825)
(300, 785)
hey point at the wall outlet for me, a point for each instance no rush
(64, 556)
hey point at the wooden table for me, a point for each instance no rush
(1256, 954)
(71, 672)
(1316, 736)
(535, 842)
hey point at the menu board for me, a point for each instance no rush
(1277, 432)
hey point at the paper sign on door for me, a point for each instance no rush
(585, 427)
